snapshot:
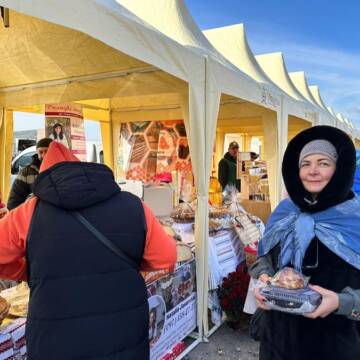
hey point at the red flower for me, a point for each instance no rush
(233, 290)
(225, 303)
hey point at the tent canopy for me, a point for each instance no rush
(274, 66)
(232, 43)
(299, 80)
(104, 54)
(37, 55)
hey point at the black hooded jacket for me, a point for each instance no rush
(22, 187)
(335, 337)
(86, 302)
(227, 172)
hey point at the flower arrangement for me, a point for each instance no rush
(232, 293)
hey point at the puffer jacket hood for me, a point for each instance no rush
(67, 183)
(339, 187)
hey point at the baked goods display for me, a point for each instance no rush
(183, 213)
(4, 309)
(214, 226)
(289, 293)
(288, 278)
(19, 310)
(220, 217)
(219, 212)
(18, 298)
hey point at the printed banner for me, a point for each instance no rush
(64, 123)
(172, 307)
(155, 148)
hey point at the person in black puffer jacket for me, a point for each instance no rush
(86, 302)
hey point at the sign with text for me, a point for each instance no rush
(172, 307)
(64, 123)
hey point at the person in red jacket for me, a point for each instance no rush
(41, 241)
(3, 209)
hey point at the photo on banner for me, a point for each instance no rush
(172, 309)
(64, 123)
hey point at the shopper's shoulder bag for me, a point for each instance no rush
(105, 241)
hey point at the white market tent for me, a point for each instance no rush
(232, 43)
(59, 55)
(315, 91)
(126, 65)
(301, 113)
(299, 80)
(344, 122)
(235, 91)
(338, 122)
(235, 87)
(274, 66)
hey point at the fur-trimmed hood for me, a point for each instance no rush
(339, 187)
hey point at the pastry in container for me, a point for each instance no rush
(288, 292)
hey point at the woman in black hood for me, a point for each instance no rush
(318, 171)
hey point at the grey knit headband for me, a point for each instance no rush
(322, 147)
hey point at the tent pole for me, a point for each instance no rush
(6, 140)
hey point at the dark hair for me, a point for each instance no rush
(153, 311)
(45, 142)
(55, 135)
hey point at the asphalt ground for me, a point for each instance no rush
(227, 344)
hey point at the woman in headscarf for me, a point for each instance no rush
(316, 231)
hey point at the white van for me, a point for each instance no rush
(94, 153)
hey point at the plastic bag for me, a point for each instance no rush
(288, 292)
(289, 278)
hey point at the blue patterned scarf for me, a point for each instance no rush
(338, 228)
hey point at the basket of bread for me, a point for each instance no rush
(183, 213)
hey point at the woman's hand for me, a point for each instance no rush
(265, 278)
(260, 300)
(329, 303)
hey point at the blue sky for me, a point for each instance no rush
(319, 37)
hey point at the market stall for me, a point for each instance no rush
(123, 57)
(165, 101)
(69, 76)
(235, 93)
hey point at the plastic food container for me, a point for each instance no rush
(298, 301)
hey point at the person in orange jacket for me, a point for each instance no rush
(3, 209)
(85, 302)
